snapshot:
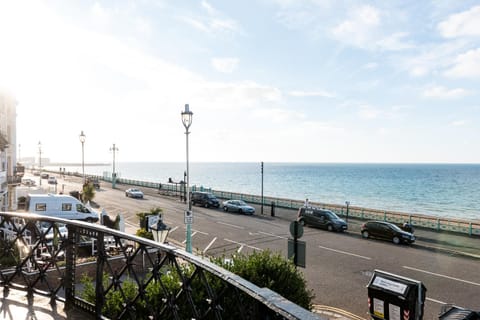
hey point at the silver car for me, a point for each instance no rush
(134, 193)
(239, 206)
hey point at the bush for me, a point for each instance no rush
(142, 232)
(266, 269)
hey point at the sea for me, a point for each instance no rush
(443, 190)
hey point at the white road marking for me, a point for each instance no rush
(347, 253)
(209, 245)
(272, 235)
(173, 229)
(242, 244)
(184, 241)
(230, 225)
(201, 232)
(240, 249)
(437, 301)
(442, 276)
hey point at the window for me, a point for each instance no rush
(40, 207)
(82, 208)
(66, 207)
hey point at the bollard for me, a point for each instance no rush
(272, 213)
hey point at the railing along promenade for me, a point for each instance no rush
(127, 277)
(461, 226)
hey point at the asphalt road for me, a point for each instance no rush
(338, 265)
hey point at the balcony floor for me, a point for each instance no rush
(17, 306)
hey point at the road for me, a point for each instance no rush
(339, 265)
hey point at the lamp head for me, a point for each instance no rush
(187, 117)
(82, 137)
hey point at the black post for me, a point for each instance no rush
(295, 243)
(347, 203)
(262, 185)
(99, 275)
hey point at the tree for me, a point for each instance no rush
(88, 192)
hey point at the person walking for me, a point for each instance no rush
(306, 204)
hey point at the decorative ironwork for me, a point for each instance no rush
(115, 275)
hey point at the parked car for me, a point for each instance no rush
(205, 199)
(321, 218)
(387, 231)
(134, 193)
(28, 182)
(239, 206)
(44, 175)
(52, 180)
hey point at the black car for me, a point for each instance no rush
(205, 199)
(387, 231)
(321, 218)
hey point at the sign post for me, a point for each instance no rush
(296, 248)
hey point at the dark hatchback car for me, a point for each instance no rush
(321, 218)
(386, 231)
(205, 199)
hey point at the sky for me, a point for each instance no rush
(266, 80)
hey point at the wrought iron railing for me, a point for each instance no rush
(115, 275)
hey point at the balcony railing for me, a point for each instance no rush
(112, 274)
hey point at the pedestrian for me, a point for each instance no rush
(306, 204)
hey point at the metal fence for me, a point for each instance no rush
(461, 226)
(127, 277)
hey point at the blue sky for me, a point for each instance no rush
(267, 80)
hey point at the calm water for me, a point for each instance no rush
(436, 189)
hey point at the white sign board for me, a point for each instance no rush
(378, 308)
(393, 286)
(188, 217)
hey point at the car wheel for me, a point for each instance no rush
(225, 208)
(396, 240)
(240, 211)
(302, 222)
(329, 227)
(365, 234)
(206, 205)
(126, 195)
(89, 220)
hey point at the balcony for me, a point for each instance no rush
(88, 267)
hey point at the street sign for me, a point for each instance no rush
(188, 218)
(296, 229)
(301, 252)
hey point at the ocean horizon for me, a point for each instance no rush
(438, 189)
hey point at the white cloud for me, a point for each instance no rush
(466, 23)
(358, 29)
(370, 65)
(467, 65)
(458, 123)
(368, 112)
(214, 22)
(321, 93)
(364, 29)
(439, 92)
(226, 65)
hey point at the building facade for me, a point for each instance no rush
(8, 159)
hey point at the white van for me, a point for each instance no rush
(60, 206)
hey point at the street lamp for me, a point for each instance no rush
(114, 175)
(347, 203)
(160, 231)
(187, 121)
(82, 141)
(40, 160)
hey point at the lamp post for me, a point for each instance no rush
(114, 175)
(347, 203)
(40, 160)
(82, 141)
(187, 121)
